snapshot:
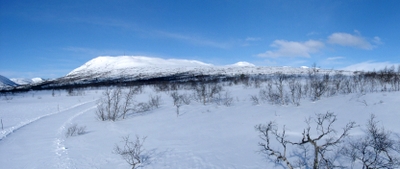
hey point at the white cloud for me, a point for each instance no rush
(249, 41)
(293, 49)
(377, 40)
(331, 62)
(345, 39)
(370, 66)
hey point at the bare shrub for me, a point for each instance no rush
(224, 99)
(257, 82)
(185, 98)
(75, 91)
(377, 149)
(108, 107)
(155, 101)
(116, 104)
(131, 151)
(74, 130)
(175, 97)
(179, 100)
(128, 100)
(320, 151)
(306, 89)
(318, 85)
(270, 94)
(161, 87)
(101, 110)
(205, 92)
(346, 87)
(278, 82)
(254, 100)
(295, 91)
(337, 81)
(142, 107)
(7, 97)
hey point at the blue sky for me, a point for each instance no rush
(51, 38)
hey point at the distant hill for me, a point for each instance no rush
(26, 81)
(140, 67)
(108, 70)
(5, 82)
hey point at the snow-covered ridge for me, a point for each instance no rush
(141, 67)
(107, 63)
(9, 84)
(5, 82)
(26, 81)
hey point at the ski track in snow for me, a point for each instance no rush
(47, 130)
(61, 151)
(13, 129)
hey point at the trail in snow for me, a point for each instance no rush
(40, 140)
(61, 151)
(8, 131)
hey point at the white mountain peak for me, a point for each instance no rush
(243, 64)
(123, 62)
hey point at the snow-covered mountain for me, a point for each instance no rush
(5, 82)
(26, 81)
(243, 64)
(141, 67)
(21, 81)
(116, 69)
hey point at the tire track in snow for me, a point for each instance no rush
(7, 132)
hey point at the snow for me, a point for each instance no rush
(37, 80)
(244, 64)
(26, 81)
(124, 62)
(5, 82)
(140, 67)
(21, 81)
(202, 137)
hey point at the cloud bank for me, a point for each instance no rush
(293, 49)
(357, 41)
(370, 66)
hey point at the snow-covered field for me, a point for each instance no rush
(207, 136)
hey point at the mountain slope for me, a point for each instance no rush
(5, 82)
(140, 67)
(26, 81)
(107, 70)
(107, 63)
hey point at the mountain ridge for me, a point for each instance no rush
(113, 70)
(141, 67)
(6, 83)
(126, 62)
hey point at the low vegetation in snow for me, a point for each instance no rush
(311, 120)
